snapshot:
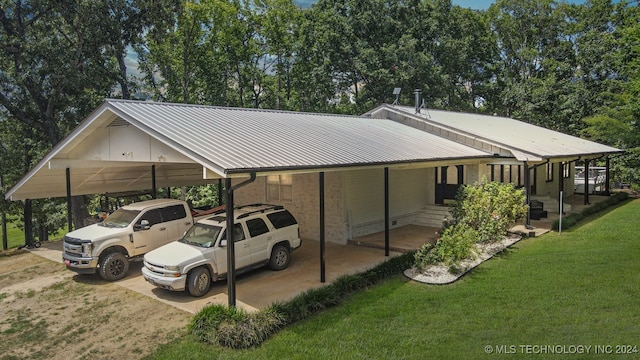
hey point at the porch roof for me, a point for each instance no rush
(527, 142)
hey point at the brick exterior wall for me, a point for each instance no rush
(305, 204)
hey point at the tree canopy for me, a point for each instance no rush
(571, 68)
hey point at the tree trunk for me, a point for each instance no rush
(79, 211)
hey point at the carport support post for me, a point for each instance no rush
(607, 180)
(561, 166)
(586, 181)
(322, 239)
(527, 187)
(153, 182)
(231, 251)
(69, 212)
(386, 211)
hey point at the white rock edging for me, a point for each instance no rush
(440, 275)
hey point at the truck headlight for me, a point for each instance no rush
(172, 268)
(86, 249)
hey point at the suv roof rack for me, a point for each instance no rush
(262, 208)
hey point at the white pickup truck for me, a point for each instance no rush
(130, 232)
(263, 234)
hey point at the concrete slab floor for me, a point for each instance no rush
(256, 289)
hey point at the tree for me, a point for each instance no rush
(58, 61)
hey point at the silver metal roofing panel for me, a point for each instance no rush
(226, 141)
(235, 139)
(519, 136)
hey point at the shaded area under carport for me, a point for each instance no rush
(259, 288)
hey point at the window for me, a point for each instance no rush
(279, 188)
(506, 173)
(281, 219)
(257, 227)
(549, 172)
(173, 212)
(152, 216)
(566, 172)
(238, 233)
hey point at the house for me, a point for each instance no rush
(395, 162)
(341, 176)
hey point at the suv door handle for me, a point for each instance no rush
(187, 223)
(245, 246)
(163, 229)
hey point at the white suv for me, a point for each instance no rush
(263, 234)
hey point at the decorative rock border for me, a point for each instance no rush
(439, 274)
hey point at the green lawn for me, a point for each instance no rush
(15, 235)
(566, 293)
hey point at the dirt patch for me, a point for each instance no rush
(47, 311)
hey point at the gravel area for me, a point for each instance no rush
(440, 275)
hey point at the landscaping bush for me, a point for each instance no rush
(454, 245)
(235, 328)
(482, 212)
(573, 219)
(489, 208)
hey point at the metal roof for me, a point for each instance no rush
(206, 142)
(525, 141)
(236, 140)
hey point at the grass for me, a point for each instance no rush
(577, 288)
(569, 289)
(15, 235)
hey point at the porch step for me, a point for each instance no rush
(432, 215)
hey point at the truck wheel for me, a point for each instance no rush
(279, 257)
(198, 282)
(113, 266)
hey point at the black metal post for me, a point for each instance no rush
(153, 182)
(386, 212)
(69, 208)
(219, 192)
(607, 179)
(231, 251)
(3, 219)
(561, 166)
(322, 232)
(586, 181)
(28, 223)
(527, 187)
(5, 239)
(231, 248)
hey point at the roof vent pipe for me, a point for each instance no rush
(417, 93)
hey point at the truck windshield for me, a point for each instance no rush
(121, 218)
(201, 235)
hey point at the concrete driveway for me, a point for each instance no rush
(259, 288)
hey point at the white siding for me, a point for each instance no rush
(409, 191)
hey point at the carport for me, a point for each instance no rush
(130, 145)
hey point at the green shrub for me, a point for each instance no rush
(234, 328)
(454, 245)
(482, 212)
(573, 219)
(490, 208)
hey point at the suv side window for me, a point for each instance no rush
(238, 233)
(257, 227)
(281, 219)
(173, 212)
(153, 216)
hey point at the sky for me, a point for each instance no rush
(473, 4)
